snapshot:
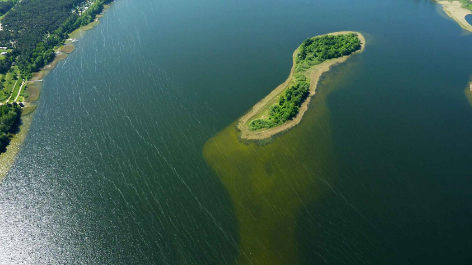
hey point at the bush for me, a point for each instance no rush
(312, 52)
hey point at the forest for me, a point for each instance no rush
(287, 107)
(6, 5)
(9, 120)
(319, 49)
(313, 51)
(34, 28)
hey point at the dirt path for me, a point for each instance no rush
(19, 92)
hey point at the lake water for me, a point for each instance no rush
(133, 157)
(468, 18)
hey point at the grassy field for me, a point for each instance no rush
(10, 85)
(31, 93)
(27, 110)
(16, 90)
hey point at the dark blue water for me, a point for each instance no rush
(113, 170)
(468, 18)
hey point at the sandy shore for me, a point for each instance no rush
(314, 73)
(8, 158)
(457, 12)
(67, 48)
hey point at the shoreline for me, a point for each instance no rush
(468, 92)
(8, 157)
(314, 73)
(455, 11)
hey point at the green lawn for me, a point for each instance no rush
(10, 84)
(16, 90)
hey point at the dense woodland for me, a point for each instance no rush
(287, 107)
(312, 52)
(9, 120)
(34, 28)
(5, 6)
(319, 49)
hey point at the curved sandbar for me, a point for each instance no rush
(455, 10)
(313, 73)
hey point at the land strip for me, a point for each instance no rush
(313, 73)
(457, 11)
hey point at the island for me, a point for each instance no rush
(458, 10)
(284, 107)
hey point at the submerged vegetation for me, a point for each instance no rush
(9, 120)
(312, 52)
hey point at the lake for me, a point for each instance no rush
(468, 18)
(133, 156)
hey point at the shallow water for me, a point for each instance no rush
(468, 18)
(133, 156)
